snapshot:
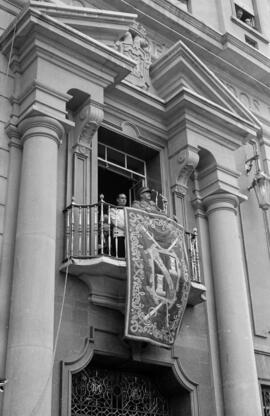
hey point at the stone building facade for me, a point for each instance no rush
(100, 97)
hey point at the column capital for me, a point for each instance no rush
(221, 201)
(14, 136)
(44, 126)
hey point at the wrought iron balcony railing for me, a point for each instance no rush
(89, 234)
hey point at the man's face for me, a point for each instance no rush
(121, 200)
(145, 196)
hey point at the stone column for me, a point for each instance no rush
(30, 346)
(238, 367)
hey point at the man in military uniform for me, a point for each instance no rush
(145, 202)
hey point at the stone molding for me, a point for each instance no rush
(74, 56)
(44, 126)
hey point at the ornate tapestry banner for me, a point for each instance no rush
(158, 278)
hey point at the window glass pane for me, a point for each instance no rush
(135, 165)
(115, 157)
(101, 151)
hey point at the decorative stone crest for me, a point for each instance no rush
(135, 44)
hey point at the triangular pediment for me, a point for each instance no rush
(180, 71)
(177, 72)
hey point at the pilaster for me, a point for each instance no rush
(9, 240)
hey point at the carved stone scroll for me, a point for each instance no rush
(87, 121)
(182, 166)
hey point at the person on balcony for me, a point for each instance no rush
(145, 202)
(117, 217)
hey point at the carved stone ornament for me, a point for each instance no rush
(135, 44)
(87, 121)
(183, 164)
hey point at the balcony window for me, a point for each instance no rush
(124, 165)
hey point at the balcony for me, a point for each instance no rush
(91, 255)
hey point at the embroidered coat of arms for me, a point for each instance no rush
(158, 277)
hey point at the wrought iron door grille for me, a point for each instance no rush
(99, 392)
(266, 400)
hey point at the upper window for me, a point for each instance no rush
(244, 11)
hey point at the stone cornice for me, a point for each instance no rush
(225, 127)
(104, 24)
(229, 40)
(13, 7)
(39, 97)
(204, 41)
(216, 179)
(249, 29)
(219, 168)
(175, 15)
(191, 97)
(70, 58)
(179, 65)
(31, 22)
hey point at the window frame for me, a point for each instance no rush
(255, 26)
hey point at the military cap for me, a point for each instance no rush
(143, 190)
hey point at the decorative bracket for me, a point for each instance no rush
(183, 164)
(87, 121)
